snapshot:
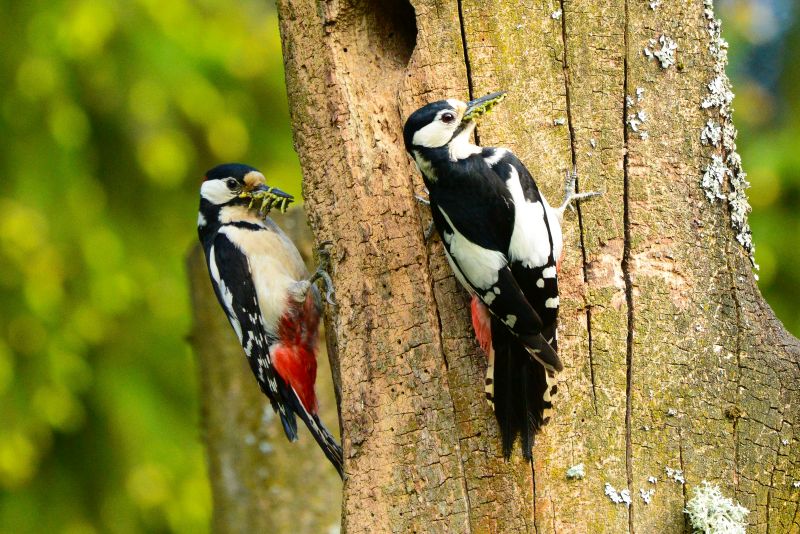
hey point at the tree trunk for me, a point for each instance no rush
(673, 360)
(260, 482)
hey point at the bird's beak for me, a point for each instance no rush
(483, 105)
(264, 198)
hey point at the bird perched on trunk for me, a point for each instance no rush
(503, 241)
(263, 287)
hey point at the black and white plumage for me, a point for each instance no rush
(503, 241)
(265, 291)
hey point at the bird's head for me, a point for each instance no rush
(235, 184)
(440, 123)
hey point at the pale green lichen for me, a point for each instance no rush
(710, 512)
(576, 472)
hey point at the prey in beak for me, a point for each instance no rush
(262, 196)
(482, 106)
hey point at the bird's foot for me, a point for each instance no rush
(321, 273)
(428, 232)
(570, 195)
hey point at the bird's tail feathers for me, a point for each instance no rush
(288, 420)
(330, 447)
(523, 392)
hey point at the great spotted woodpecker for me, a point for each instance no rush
(503, 241)
(266, 292)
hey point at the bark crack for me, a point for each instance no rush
(533, 481)
(470, 89)
(574, 157)
(626, 269)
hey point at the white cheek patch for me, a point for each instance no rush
(435, 134)
(216, 192)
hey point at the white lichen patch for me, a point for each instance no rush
(561, 121)
(672, 412)
(652, 479)
(654, 4)
(576, 472)
(647, 495)
(618, 497)
(712, 134)
(724, 179)
(636, 118)
(555, 15)
(796, 484)
(665, 54)
(714, 178)
(784, 442)
(711, 512)
(675, 474)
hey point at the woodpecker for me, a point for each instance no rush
(266, 292)
(503, 242)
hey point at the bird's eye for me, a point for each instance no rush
(447, 118)
(231, 183)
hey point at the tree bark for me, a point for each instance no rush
(260, 481)
(673, 359)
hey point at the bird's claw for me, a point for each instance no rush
(570, 196)
(429, 230)
(321, 273)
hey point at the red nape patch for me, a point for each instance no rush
(295, 357)
(482, 324)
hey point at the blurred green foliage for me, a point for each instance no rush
(764, 38)
(110, 112)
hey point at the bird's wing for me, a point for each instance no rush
(226, 264)
(536, 241)
(486, 272)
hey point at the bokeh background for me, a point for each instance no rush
(110, 110)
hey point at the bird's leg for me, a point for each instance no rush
(429, 230)
(570, 195)
(321, 273)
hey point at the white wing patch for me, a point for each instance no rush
(549, 272)
(530, 241)
(227, 296)
(479, 265)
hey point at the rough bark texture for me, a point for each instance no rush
(673, 360)
(260, 482)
